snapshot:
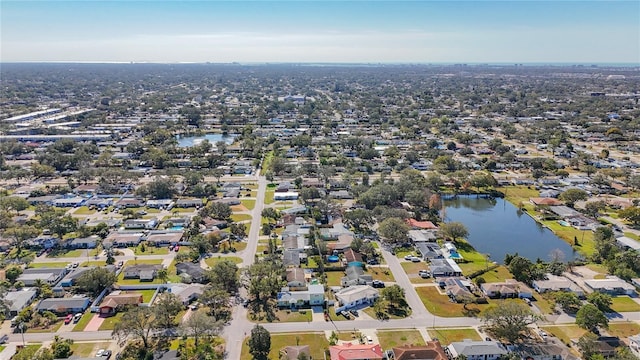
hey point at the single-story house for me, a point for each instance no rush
(191, 272)
(69, 202)
(164, 238)
(144, 272)
(421, 225)
(313, 296)
(62, 306)
(349, 351)
(431, 351)
(510, 288)
(291, 258)
(98, 202)
(544, 351)
(458, 289)
(545, 201)
(296, 278)
(341, 194)
(160, 203)
(126, 203)
(229, 201)
(83, 243)
(355, 296)
(444, 267)
(355, 276)
(429, 250)
(284, 196)
(611, 285)
(123, 239)
(146, 224)
(186, 292)
(50, 276)
(18, 300)
(189, 203)
(477, 350)
(557, 283)
(71, 278)
(422, 236)
(117, 300)
(628, 243)
(634, 344)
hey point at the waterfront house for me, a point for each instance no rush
(557, 283)
(611, 285)
(507, 289)
(431, 351)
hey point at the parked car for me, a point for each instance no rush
(377, 284)
(176, 248)
(527, 301)
(415, 259)
(425, 274)
(354, 312)
(4, 338)
(369, 339)
(345, 314)
(77, 318)
(373, 261)
(68, 319)
(408, 257)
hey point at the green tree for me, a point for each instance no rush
(239, 230)
(225, 273)
(12, 272)
(159, 188)
(568, 301)
(163, 275)
(394, 230)
(571, 196)
(165, 309)
(394, 294)
(453, 230)
(137, 323)
(588, 345)
(264, 279)
(61, 348)
(260, 343)
(19, 235)
(631, 214)
(271, 214)
(601, 301)
(218, 302)
(590, 317)
(200, 325)
(509, 320)
(13, 203)
(95, 280)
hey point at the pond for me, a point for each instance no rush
(189, 141)
(496, 227)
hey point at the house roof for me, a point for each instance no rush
(295, 274)
(421, 224)
(116, 300)
(545, 201)
(354, 293)
(609, 283)
(471, 348)
(293, 352)
(62, 304)
(20, 299)
(349, 351)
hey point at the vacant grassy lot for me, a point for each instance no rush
(447, 336)
(440, 305)
(499, 274)
(333, 277)
(240, 217)
(317, 342)
(281, 316)
(212, 260)
(565, 332)
(150, 250)
(248, 203)
(392, 338)
(268, 196)
(380, 273)
(98, 263)
(87, 349)
(51, 329)
(84, 210)
(110, 322)
(569, 234)
(624, 304)
(413, 268)
(518, 194)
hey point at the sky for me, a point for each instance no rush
(321, 31)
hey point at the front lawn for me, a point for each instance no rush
(268, 196)
(84, 210)
(392, 338)
(150, 250)
(447, 336)
(87, 349)
(317, 342)
(258, 314)
(413, 267)
(380, 273)
(624, 304)
(440, 305)
(110, 322)
(565, 332)
(240, 217)
(212, 260)
(98, 263)
(57, 265)
(51, 329)
(248, 203)
(68, 253)
(84, 321)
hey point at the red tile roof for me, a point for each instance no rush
(352, 352)
(421, 224)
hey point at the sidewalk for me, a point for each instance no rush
(8, 351)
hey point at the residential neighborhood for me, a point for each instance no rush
(346, 213)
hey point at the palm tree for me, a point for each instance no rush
(163, 275)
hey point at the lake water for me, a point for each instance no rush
(496, 227)
(195, 140)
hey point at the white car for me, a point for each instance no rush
(408, 257)
(100, 353)
(369, 339)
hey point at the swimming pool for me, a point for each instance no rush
(176, 228)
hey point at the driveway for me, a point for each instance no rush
(95, 323)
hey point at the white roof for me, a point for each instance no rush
(629, 242)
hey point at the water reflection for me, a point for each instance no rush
(495, 227)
